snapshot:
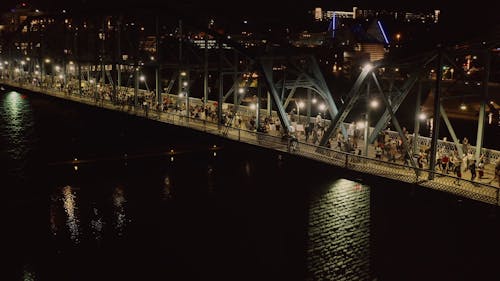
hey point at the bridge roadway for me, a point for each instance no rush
(483, 190)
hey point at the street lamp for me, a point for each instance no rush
(142, 78)
(422, 116)
(368, 67)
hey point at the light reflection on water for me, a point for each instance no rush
(28, 274)
(70, 208)
(119, 204)
(16, 130)
(211, 178)
(339, 232)
(96, 224)
(53, 215)
(167, 188)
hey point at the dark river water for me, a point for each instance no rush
(129, 211)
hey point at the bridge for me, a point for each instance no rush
(268, 91)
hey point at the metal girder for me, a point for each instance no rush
(332, 107)
(437, 115)
(266, 65)
(283, 86)
(398, 100)
(228, 93)
(292, 92)
(482, 108)
(352, 97)
(450, 129)
(395, 121)
(171, 82)
(318, 84)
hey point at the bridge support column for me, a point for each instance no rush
(80, 79)
(269, 104)
(436, 119)
(235, 80)
(416, 127)
(220, 97)
(257, 107)
(158, 66)
(482, 109)
(205, 72)
(136, 86)
(309, 97)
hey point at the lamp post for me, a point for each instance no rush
(142, 78)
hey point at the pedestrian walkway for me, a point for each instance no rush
(485, 190)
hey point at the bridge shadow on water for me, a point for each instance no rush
(178, 208)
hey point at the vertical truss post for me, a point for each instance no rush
(482, 108)
(205, 71)
(103, 51)
(158, 64)
(367, 118)
(79, 79)
(136, 86)
(416, 127)
(188, 95)
(269, 104)
(257, 108)
(220, 98)
(119, 54)
(309, 97)
(235, 79)
(436, 119)
(78, 63)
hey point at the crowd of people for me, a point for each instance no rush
(387, 147)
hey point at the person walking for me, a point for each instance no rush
(458, 172)
(472, 168)
(497, 173)
(480, 169)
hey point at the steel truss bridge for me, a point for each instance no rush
(107, 61)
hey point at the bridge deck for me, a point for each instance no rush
(480, 189)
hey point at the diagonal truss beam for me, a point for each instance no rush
(292, 91)
(450, 129)
(395, 121)
(266, 65)
(332, 107)
(340, 117)
(317, 83)
(398, 99)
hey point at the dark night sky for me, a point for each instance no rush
(459, 19)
